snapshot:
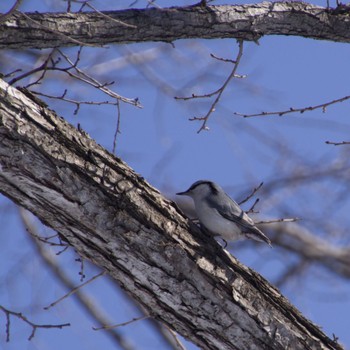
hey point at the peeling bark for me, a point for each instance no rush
(247, 22)
(114, 218)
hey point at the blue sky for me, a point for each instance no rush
(160, 143)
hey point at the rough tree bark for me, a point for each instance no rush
(247, 22)
(114, 218)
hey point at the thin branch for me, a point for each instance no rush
(277, 220)
(117, 129)
(177, 340)
(73, 290)
(86, 78)
(10, 74)
(152, 3)
(322, 106)
(43, 67)
(251, 209)
(34, 326)
(81, 272)
(337, 143)
(255, 190)
(47, 240)
(63, 250)
(75, 102)
(121, 324)
(218, 92)
(51, 64)
(222, 59)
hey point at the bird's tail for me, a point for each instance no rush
(257, 235)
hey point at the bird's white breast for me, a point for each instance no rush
(216, 223)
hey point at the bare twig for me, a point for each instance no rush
(338, 143)
(176, 338)
(218, 92)
(255, 190)
(10, 74)
(121, 324)
(117, 129)
(222, 59)
(75, 102)
(322, 106)
(34, 326)
(152, 3)
(44, 67)
(62, 250)
(88, 79)
(73, 290)
(278, 220)
(77, 73)
(51, 64)
(81, 272)
(251, 209)
(47, 240)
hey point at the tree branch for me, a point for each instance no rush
(245, 22)
(34, 326)
(112, 217)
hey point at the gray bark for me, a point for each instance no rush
(247, 22)
(114, 218)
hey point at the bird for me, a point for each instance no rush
(220, 215)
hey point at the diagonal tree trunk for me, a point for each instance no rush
(114, 218)
(246, 22)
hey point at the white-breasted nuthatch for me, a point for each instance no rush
(221, 215)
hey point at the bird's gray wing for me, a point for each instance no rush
(232, 211)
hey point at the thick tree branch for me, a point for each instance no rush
(246, 22)
(112, 217)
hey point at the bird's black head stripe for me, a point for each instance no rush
(212, 186)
